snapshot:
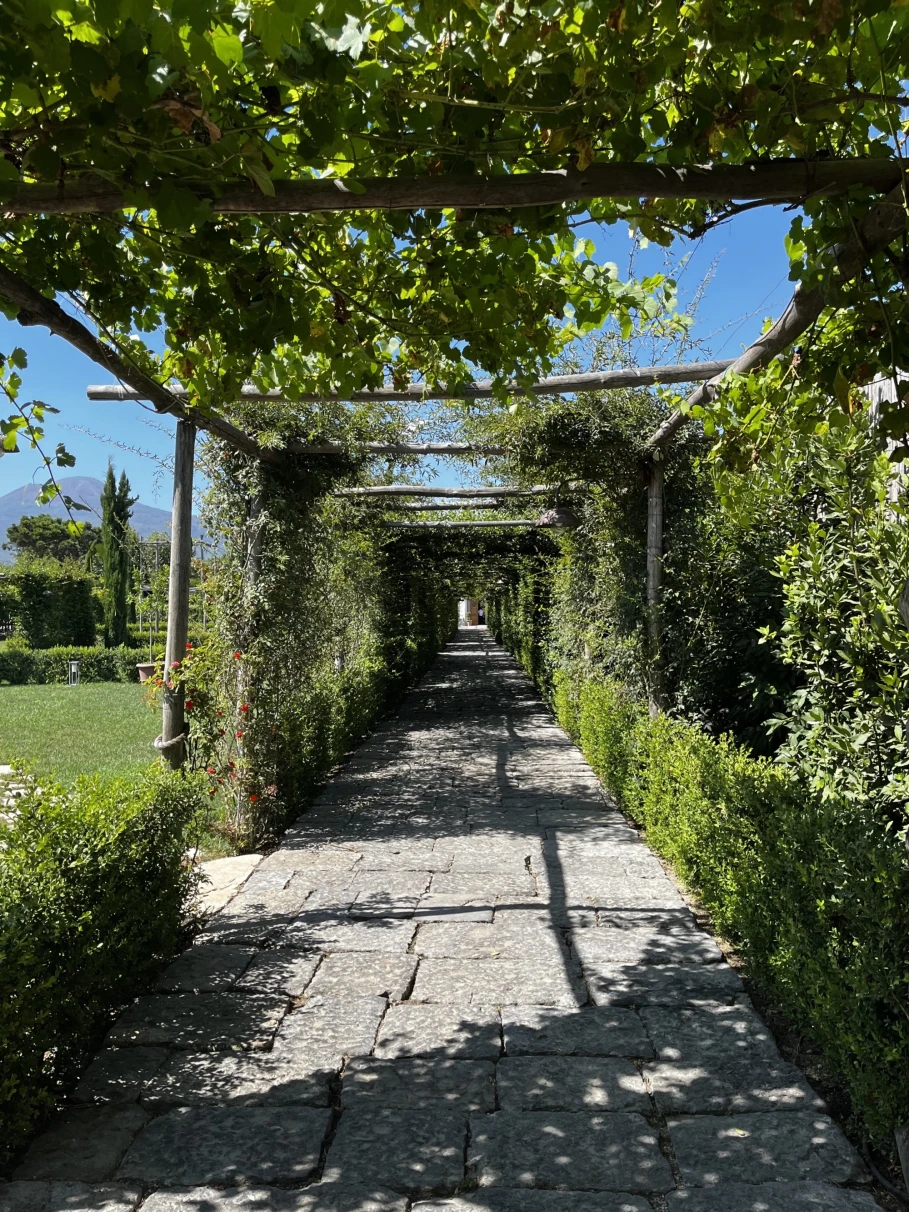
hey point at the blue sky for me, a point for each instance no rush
(750, 282)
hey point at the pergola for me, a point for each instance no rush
(781, 181)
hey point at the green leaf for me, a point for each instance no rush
(227, 46)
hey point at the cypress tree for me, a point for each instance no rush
(116, 510)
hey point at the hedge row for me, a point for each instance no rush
(93, 891)
(48, 605)
(46, 665)
(814, 894)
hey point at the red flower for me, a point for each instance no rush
(245, 707)
(237, 656)
(188, 647)
(188, 704)
(253, 798)
(213, 791)
(220, 732)
(209, 770)
(219, 713)
(239, 733)
(175, 665)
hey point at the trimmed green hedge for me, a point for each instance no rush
(93, 891)
(35, 667)
(48, 603)
(815, 894)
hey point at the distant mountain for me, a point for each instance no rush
(146, 519)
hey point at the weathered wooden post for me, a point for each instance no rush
(655, 483)
(171, 741)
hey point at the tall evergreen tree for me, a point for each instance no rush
(116, 510)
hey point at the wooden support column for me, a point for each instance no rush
(655, 483)
(171, 741)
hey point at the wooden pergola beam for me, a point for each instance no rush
(446, 505)
(525, 522)
(786, 180)
(429, 490)
(632, 376)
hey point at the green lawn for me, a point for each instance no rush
(103, 727)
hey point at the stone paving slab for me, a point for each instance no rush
(201, 1022)
(508, 936)
(466, 1032)
(664, 985)
(330, 1027)
(784, 1146)
(323, 931)
(83, 1145)
(320, 1197)
(364, 975)
(503, 981)
(206, 968)
(567, 1150)
(772, 1197)
(118, 1075)
(500, 1200)
(214, 1079)
(418, 1083)
(67, 1197)
(190, 1146)
(693, 1034)
(570, 1083)
(592, 1031)
(280, 971)
(720, 1084)
(641, 944)
(367, 1148)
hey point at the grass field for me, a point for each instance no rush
(100, 727)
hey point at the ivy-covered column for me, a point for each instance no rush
(655, 486)
(171, 741)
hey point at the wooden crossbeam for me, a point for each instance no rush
(462, 525)
(429, 490)
(784, 180)
(555, 385)
(447, 505)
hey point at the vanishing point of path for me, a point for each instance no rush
(462, 983)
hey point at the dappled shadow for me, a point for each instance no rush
(476, 979)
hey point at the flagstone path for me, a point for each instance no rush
(462, 984)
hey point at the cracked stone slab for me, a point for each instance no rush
(413, 1151)
(415, 1029)
(724, 1086)
(201, 1022)
(190, 1146)
(481, 853)
(84, 1145)
(364, 975)
(404, 856)
(205, 968)
(327, 1029)
(570, 1083)
(418, 1083)
(772, 1197)
(67, 1197)
(248, 1079)
(323, 931)
(590, 1031)
(320, 1197)
(119, 1075)
(319, 858)
(567, 1150)
(448, 910)
(484, 886)
(771, 1146)
(256, 917)
(280, 971)
(645, 945)
(683, 1034)
(493, 1199)
(505, 980)
(658, 985)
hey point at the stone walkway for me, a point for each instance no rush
(462, 984)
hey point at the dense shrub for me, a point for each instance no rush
(49, 603)
(813, 890)
(92, 895)
(22, 666)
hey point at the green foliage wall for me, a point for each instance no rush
(50, 604)
(318, 624)
(40, 666)
(92, 895)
